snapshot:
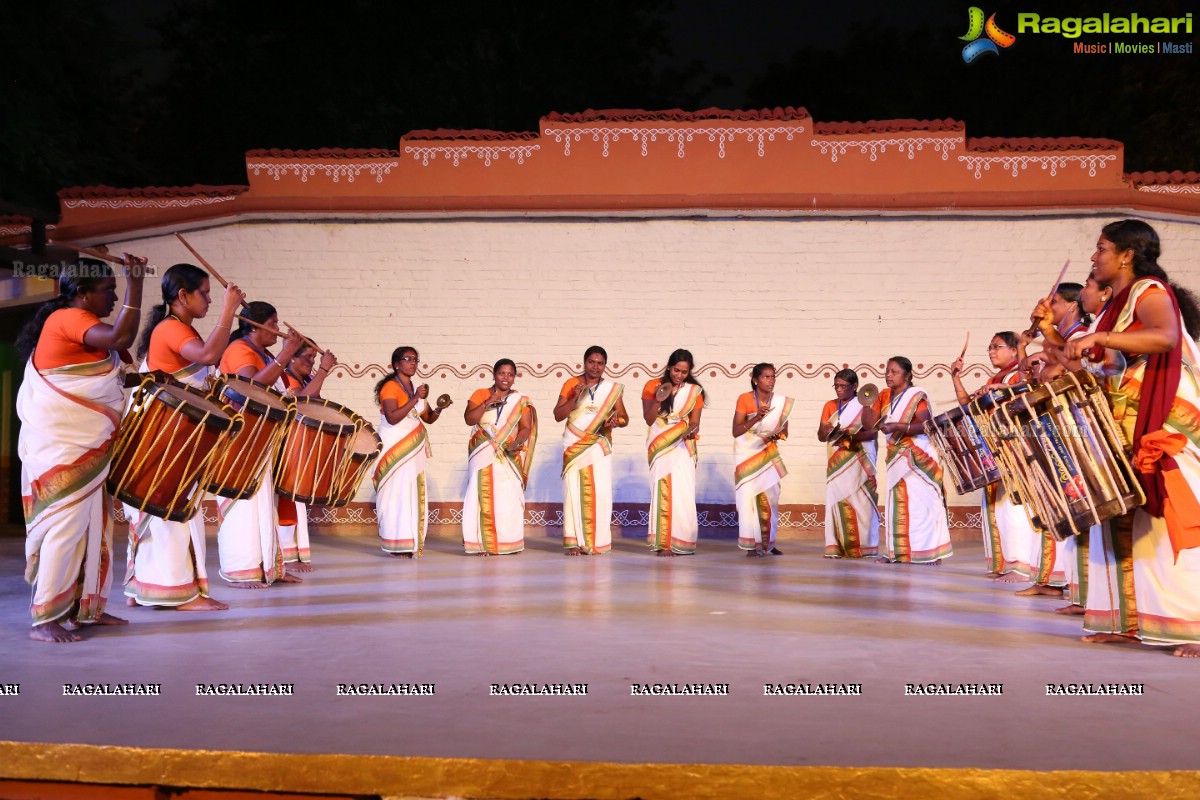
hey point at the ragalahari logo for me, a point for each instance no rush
(976, 27)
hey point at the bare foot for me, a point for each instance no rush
(1187, 651)
(247, 585)
(299, 566)
(400, 555)
(288, 577)
(665, 553)
(481, 554)
(1011, 577)
(108, 619)
(755, 554)
(775, 551)
(883, 560)
(937, 563)
(828, 555)
(573, 551)
(1039, 589)
(53, 632)
(131, 601)
(1110, 638)
(203, 603)
(1074, 610)
(991, 574)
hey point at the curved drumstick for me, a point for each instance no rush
(212, 271)
(966, 344)
(1034, 328)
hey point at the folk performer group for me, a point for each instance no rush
(1133, 578)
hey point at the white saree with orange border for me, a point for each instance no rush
(494, 505)
(587, 470)
(69, 420)
(757, 476)
(673, 522)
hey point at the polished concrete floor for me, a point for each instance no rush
(464, 623)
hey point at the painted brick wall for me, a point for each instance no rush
(801, 291)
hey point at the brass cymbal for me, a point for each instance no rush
(443, 401)
(868, 394)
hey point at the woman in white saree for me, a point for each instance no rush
(760, 419)
(399, 477)
(500, 452)
(70, 405)
(851, 496)
(166, 563)
(916, 528)
(671, 406)
(592, 406)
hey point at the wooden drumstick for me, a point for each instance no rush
(966, 344)
(90, 253)
(212, 271)
(1033, 330)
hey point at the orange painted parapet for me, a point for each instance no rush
(768, 160)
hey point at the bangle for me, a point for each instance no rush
(280, 364)
(1107, 336)
(135, 308)
(215, 327)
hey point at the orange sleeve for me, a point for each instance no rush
(61, 343)
(885, 397)
(479, 397)
(828, 410)
(393, 391)
(700, 402)
(568, 388)
(745, 404)
(239, 355)
(650, 388)
(166, 343)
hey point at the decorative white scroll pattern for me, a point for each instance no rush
(457, 153)
(908, 146)
(144, 202)
(1171, 188)
(1047, 161)
(307, 169)
(13, 230)
(679, 135)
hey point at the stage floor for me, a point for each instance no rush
(463, 623)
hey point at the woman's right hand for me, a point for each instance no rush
(234, 297)
(291, 345)
(956, 367)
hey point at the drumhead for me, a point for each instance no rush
(325, 415)
(257, 397)
(366, 442)
(192, 403)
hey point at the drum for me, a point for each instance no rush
(313, 461)
(965, 454)
(1062, 451)
(168, 443)
(364, 449)
(238, 473)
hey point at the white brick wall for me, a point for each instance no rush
(734, 292)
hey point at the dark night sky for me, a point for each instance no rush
(145, 92)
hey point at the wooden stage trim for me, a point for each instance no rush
(392, 776)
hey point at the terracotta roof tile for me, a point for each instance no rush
(1024, 145)
(474, 135)
(324, 153)
(87, 192)
(1157, 178)
(887, 126)
(787, 113)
